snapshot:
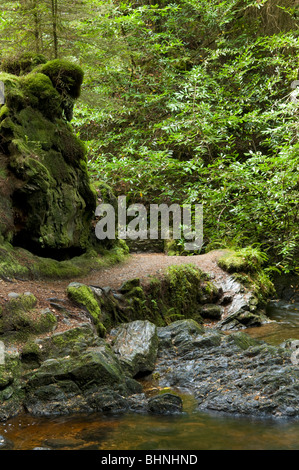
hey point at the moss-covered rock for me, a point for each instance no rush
(246, 267)
(23, 63)
(72, 342)
(19, 315)
(67, 79)
(244, 260)
(82, 295)
(91, 381)
(11, 391)
(47, 201)
(22, 264)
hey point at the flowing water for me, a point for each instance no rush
(285, 325)
(190, 431)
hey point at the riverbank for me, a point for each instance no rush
(82, 347)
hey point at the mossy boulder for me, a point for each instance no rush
(82, 295)
(22, 63)
(66, 77)
(71, 342)
(91, 381)
(20, 315)
(47, 202)
(11, 391)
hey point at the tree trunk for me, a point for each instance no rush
(54, 25)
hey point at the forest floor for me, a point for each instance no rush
(50, 293)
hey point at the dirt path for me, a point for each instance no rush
(138, 265)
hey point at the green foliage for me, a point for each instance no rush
(186, 102)
(202, 114)
(247, 259)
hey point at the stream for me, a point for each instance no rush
(192, 430)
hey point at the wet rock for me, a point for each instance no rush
(179, 335)
(242, 318)
(5, 444)
(136, 344)
(233, 373)
(166, 403)
(91, 381)
(211, 311)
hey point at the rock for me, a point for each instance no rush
(136, 344)
(44, 178)
(92, 381)
(232, 373)
(83, 295)
(242, 318)
(179, 335)
(13, 295)
(5, 444)
(211, 311)
(166, 403)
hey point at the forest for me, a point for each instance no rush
(183, 102)
(108, 343)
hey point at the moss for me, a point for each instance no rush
(19, 315)
(136, 303)
(20, 263)
(178, 294)
(44, 162)
(242, 340)
(6, 378)
(174, 248)
(263, 288)
(47, 321)
(22, 64)
(129, 285)
(245, 260)
(31, 354)
(23, 303)
(40, 94)
(14, 97)
(71, 339)
(4, 111)
(183, 290)
(246, 265)
(66, 77)
(82, 295)
(71, 147)
(105, 194)
(12, 393)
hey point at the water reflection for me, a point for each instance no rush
(192, 431)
